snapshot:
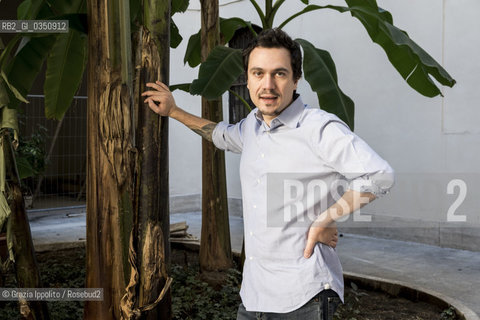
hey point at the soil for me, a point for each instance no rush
(65, 268)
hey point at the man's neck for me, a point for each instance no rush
(268, 119)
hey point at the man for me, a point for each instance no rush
(291, 270)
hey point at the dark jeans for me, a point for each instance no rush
(321, 307)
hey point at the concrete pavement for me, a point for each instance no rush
(450, 274)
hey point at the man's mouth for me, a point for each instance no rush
(268, 98)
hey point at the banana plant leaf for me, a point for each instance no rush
(12, 88)
(227, 30)
(8, 117)
(76, 21)
(413, 63)
(29, 9)
(33, 50)
(65, 66)
(26, 65)
(229, 26)
(178, 6)
(193, 53)
(4, 100)
(218, 72)
(175, 37)
(181, 86)
(24, 168)
(320, 72)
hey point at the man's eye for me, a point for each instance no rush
(281, 74)
(257, 73)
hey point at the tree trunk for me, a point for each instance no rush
(127, 165)
(152, 194)
(215, 247)
(109, 164)
(26, 268)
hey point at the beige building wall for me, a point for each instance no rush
(432, 143)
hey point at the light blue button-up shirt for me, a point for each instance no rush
(312, 146)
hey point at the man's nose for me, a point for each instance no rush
(268, 82)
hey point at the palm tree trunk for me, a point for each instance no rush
(128, 252)
(26, 267)
(152, 143)
(109, 163)
(215, 247)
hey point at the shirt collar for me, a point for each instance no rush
(290, 116)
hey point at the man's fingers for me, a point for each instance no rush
(152, 105)
(151, 93)
(158, 86)
(309, 247)
(157, 96)
(163, 85)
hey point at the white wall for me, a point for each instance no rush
(434, 137)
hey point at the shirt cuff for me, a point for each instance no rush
(217, 135)
(379, 183)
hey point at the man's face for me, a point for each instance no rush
(270, 80)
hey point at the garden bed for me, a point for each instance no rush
(194, 299)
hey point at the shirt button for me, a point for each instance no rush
(251, 258)
(251, 233)
(262, 155)
(254, 206)
(258, 181)
(326, 286)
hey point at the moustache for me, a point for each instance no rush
(269, 92)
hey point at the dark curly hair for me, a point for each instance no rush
(276, 38)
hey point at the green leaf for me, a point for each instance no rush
(34, 9)
(181, 86)
(24, 168)
(66, 7)
(305, 1)
(414, 64)
(229, 26)
(27, 63)
(76, 21)
(218, 72)
(12, 88)
(65, 65)
(179, 6)
(193, 53)
(28, 9)
(227, 29)
(5, 54)
(175, 37)
(321, 74)
(4, 100)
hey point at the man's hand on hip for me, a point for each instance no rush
(327, 235)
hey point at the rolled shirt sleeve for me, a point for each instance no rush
(229, 137)
(353, 158)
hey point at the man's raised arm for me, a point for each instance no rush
(161, 101)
